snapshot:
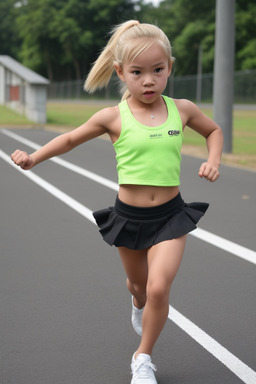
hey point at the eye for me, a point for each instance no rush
(158, 70)
(136, 73)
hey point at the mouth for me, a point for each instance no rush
(149, 94)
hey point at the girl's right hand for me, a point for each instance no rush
(22, 159)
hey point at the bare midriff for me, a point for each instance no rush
(146, 196)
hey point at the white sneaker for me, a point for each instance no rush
(143, 370)
(137, 318)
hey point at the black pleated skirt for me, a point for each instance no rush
(141, 227)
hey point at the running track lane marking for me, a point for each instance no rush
(245, 373)
(75, 168)
(228, 246)
(62, 196)
(240, 369)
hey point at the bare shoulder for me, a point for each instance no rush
(107, 116)
(186, 106)
(187, 110)
(110, 119)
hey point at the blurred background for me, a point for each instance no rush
(60, 39)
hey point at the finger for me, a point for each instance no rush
(20, 157)
(14, 154)
(211, 175)
(215, 176)
(208, 172)
(202, 170)
(16, 157)
(205, 170)
(25, 161)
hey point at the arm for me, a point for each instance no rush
(195, 119)
(94, 127)
(214, 142)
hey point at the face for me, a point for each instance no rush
(146, 77)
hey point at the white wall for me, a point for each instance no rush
(34, 102)
(2, 85)
(35, 108)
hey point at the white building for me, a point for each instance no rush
(22, 89)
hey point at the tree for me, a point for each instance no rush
(188, 24)
(245, 34)
(38, 51)
(60, 38)
(9, 41)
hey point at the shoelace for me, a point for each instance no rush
(142, 363)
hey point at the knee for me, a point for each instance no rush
(138, 288)
(158, 292)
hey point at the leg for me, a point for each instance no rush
(136, 268)
(163, 263)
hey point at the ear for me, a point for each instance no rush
(170, 68)
(119, 71)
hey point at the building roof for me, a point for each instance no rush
(22, 71)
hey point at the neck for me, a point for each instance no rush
(148, 108)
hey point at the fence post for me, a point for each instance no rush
(223, 86)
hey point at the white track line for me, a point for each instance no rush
(75, 168)
(240, 369)
(228, 246)
(72, 203)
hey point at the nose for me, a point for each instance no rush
(148, 80)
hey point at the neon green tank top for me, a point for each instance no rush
(149, 155)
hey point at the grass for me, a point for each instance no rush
(244, 139)
(68, 115)
(244, 132)
(9, 117)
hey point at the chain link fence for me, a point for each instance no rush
(196, 88)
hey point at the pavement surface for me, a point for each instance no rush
(65, 309)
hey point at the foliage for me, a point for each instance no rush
(188, 24)
(245, 34)
(9, 41)
(60, 39)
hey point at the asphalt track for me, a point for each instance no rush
(65, 310)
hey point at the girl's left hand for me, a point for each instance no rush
(209, 171)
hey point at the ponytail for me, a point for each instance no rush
(128, 40)
(103, 68)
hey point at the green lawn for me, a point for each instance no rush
(244, 132)
(71, 115)
(9, 117)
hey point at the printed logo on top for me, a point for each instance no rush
(156, 136)
(171, 132)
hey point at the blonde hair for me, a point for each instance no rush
(128, 40)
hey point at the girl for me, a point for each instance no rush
(149, 221)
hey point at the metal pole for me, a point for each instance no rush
(223, 87)
(199, 75)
